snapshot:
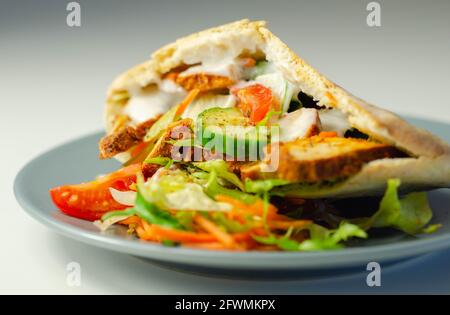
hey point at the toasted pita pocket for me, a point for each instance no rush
(428, 161)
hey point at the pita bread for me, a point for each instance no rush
(427, 167)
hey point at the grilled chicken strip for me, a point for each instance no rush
(202, 81)
(124, 139)
(316, 159)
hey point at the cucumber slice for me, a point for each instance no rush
(208, 101)
(218, 116)
(227, 131)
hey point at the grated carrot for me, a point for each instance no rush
(208, 246)
(187, 100)
(248, 62)
(131, 220)
(328, 134)
(255, 209)
(181, 236)
(285, 225)
(214, 230)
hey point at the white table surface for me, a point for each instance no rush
(53, 80)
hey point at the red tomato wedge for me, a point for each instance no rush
(255, 101)
(89, 201)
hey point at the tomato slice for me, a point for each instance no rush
(255, 101)
(89, 201)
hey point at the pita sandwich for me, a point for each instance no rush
(331, 143)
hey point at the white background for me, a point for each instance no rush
(53, 80)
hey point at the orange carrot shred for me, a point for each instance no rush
(187, 100)
(208, 246)
(171, 76)
(328, 134)
(214, 230)
(285, 225)
(249, 62)
(131, 220)
(181, 236)
(255, 209)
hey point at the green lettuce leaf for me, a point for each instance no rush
(229, 225)
(213, 189)
(186, 219)
(178, 190)
(222, 171)
(192, 197)
(321, 238)
(151, 213)
(261, 186)
(269, 115)
(432, 228)
(160, 160)
(409, 214)
(121, 213)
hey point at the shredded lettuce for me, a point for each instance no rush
(261, 186)
(409, 214)
(175, 189)
(143, 208)
(111, 218)
(284, 242)
(213, 189)
(123, 213)
(221, 169)
(266, 119)
(151, 213)
(432, 228)
(231, 226)
(266, 200)
(186, 219)
(169, 243)
(105, 225)
(321, 238)
(192, 197)
(160, 160)
(306, 190)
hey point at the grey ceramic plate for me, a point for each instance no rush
(77, 161)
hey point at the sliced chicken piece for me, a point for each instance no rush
(317, 159)
(202, 81)
(302, 123)
(124, 139)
